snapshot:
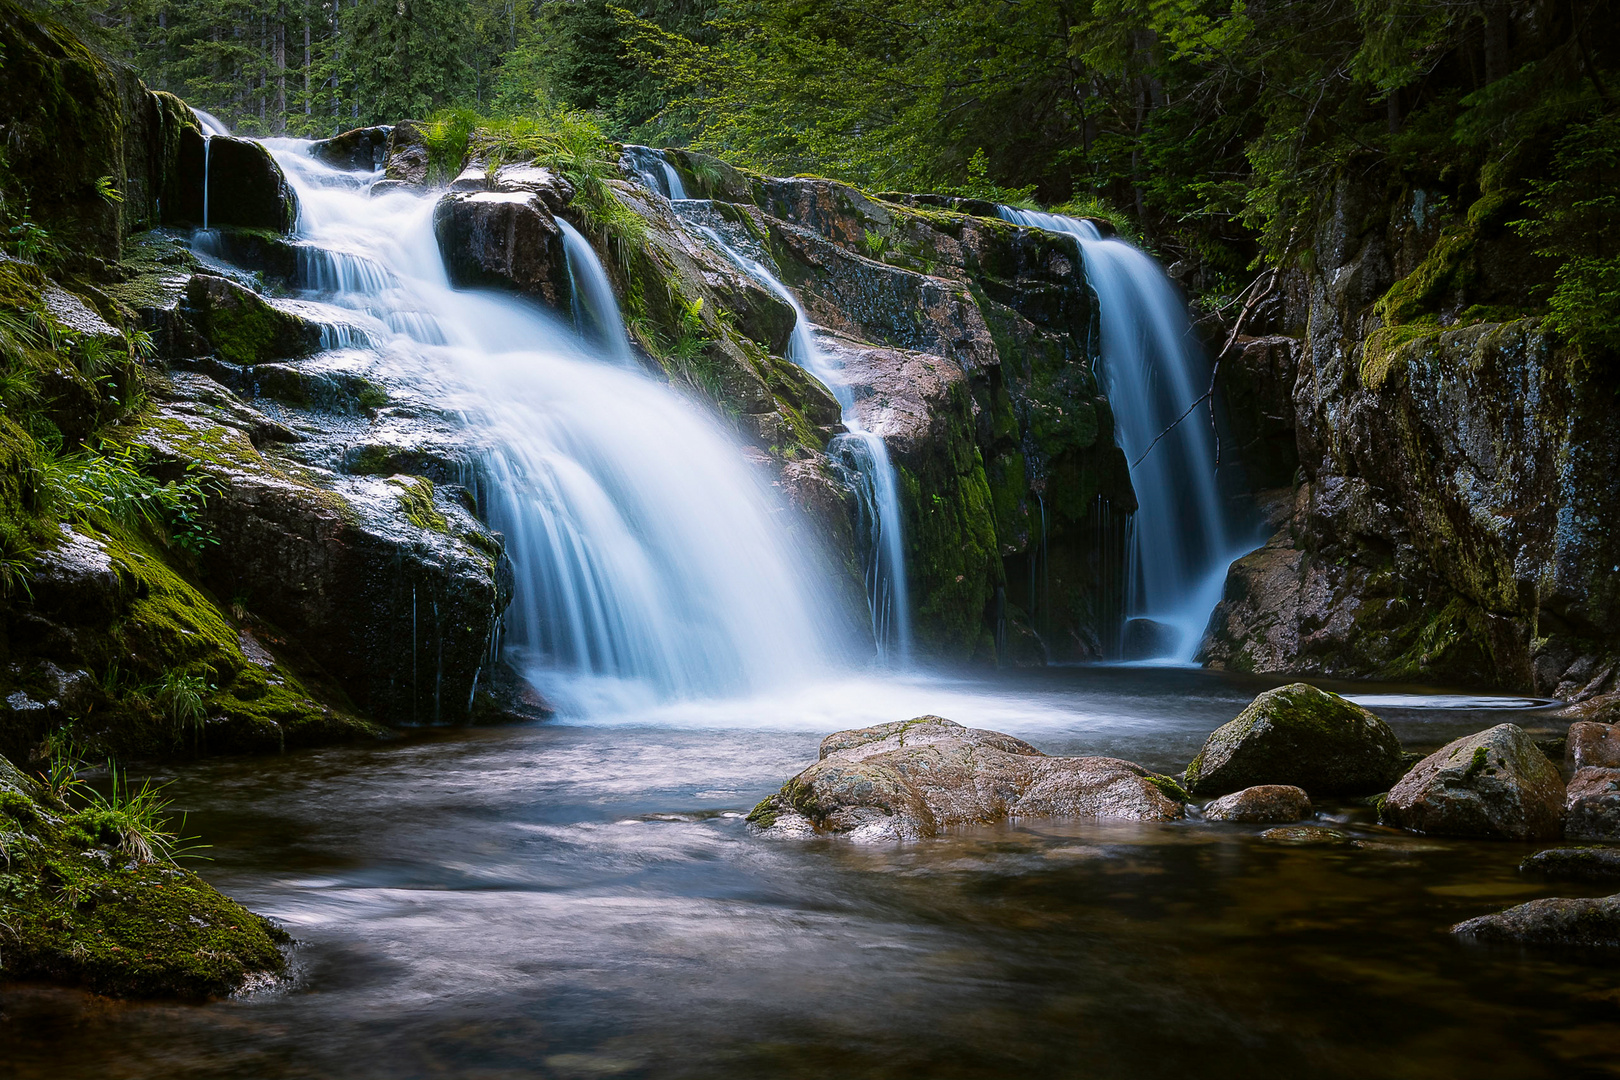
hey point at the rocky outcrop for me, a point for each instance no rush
(360, 150)
(1496, 784)
(504, 240)
(1267, 804)
(927, 776)
(1301, 736)
(243, 327)
(246, 187)
(1574, 923)
(405, 158)
(1575, 864)
(1592, 805)
(1457, 462)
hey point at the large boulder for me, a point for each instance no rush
(246, 188)
(360, 150)
(1575, 864)
(1302, 736)
(503, 240)
(1592, 805)
(1494, 783)
(405, 159)
(1266, 804)
(1580, 923)
(242, 326)
(926, 776)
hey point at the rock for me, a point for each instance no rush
(242, 326)
(554, 190)
(929, 775)
(1592, 744)
(360, 150)
(78, 575)
(1575, 864)
(1308, 835)
(1302, 736)
(246, 187)
(1592, 805)
(1582, 923)
(503, 240)
(270, 253)
(1145, 639)
(1495, 783)
(475, 177)
(1264, 804)
(405, 160)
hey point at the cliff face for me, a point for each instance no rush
(1457, 490)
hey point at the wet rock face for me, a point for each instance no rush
(1575, 864)
(405, 159)
(1301, 736)
(1264, 804)
(1592, 805)
(926, 776)
(1495, 784)
(1579, 923)
(246, 187)
(360, 150)
(242, 326)
(503, 240)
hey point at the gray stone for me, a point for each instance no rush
(1495, 783)
(1302, 736)
(929, 775)
(1575, 864)
(1592, 805)
(1263, 804)
(1582, 923)
(503, 240)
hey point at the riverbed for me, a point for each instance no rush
(576, 899)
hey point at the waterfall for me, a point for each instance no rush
(208, 145)
(1153, 370)
(655, 171)
(596, 311)
(650, 560)
(863, 453)
(211, 124)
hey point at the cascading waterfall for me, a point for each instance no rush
(649, 564)
(1153, 370)
(655, 171)
(596, 311)
(866, 457)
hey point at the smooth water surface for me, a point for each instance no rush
(585, 901)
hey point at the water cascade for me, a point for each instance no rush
(596, 312)
(655, 171)
(1153, 370)
(649, 562)
(864, 455)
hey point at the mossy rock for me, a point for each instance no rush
(77, 907)
(1301, 736)
(242, 326)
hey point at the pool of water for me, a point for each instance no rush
(584, 900)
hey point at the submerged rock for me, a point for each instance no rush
(1585, 923)
(1495, 783)
(1264, 804)
(1575, 864)
(929, 775)
(1592, 805)
(505, 240)
(1592, 744)
(1302, 736)
(1308, 835)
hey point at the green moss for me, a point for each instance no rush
(416, 500)
(1477, 763)
(765, 813)
(1168, 786)
(76, 908)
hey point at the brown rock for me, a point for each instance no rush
(1592, 805)
(929, 775)
(1592, 744)
(1495, 783)
(1263, 804)
(504, 240)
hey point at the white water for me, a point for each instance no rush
(211, 124)
(651, 563)
(655, 171)
(1152, 371)
(867, 458)
(596, 310)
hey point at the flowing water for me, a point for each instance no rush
(651, 564)
(1154, 372)
(575, 901)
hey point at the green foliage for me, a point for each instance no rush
(107, 189)
(183, 697)
(110, 490)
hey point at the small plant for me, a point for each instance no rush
(135, 819)
(141, 345)
(108, 190)
(109, 489)
(29, 240)
(64, 758)
(693, 334)
(875, 243)
(183, 697)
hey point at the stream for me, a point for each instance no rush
(584, 900)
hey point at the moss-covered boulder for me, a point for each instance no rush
(928, 775)
(1581, 924)
(1495, 784)
(242, 326)
(81, 904)
(1302, 736)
